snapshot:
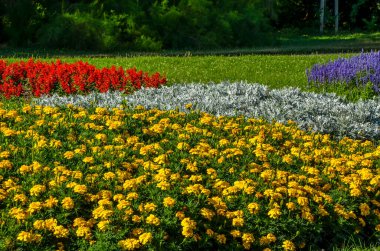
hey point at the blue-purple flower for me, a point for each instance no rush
(357, 71)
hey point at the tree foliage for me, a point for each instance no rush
(168, 24)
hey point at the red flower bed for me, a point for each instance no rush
(40, 78)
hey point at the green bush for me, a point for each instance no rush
(78, 31)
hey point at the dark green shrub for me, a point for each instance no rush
(75, 31)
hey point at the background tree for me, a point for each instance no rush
(172, 24)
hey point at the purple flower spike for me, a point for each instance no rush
(356, 71)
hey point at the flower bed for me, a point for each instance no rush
(320, 113)
(357, 71)
(74, 179)
(38, 78)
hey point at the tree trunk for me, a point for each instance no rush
(322, 15)
(336, 13)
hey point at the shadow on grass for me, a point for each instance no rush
(286, 43)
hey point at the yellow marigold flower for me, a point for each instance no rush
(81, 189)
(355, 192)
(101, 137)
(192, 167)
(302, 201)
(84, 232)
(377, 228)
(291, 206)
(288, 245)
(88, 160)
(362, 222)
(307, 216)
(67, 203)
(247, 238)
(26, 109)
(221, 238)
(129, 244)
(55, 143)
(267, 174)
(322, 211)
(5, 154)
(132, 196)
(39, 224)
(209, 232)
(195, 178)
(153, 220)
(105, 194)
(175, 176)
(137, 231)
(145, 238)
(364, 209)
(136, 218)
(3, 194)
(24, 169)
(8, 132)
(35, 207)
(150, 207)
(147, 150)
(188, 223)
(6, 164)
(102, 213)
(61, 232)
(28, 237)
(49, 110)
(169, 202)
(207, 213)
(51, 223)
(103, 225)
(79, 222)
(264, 241)
(118, 197)
(71, 185)
(77, 175)
(183, 146)
(105, 203)
(188, 106)
(180, 215)
(122, 204)
(253, 208)
(271, 237)
(18, 213)
(20, 198)
(247, 245)
(161, 159)
(128, 212)
(274, 213)
(51, 202)
(109, 176)
(287, 159)
(221, 160)
(60, 246)
(235, 233)
(101, 110)
(69, 154)
(249, 190)
(238, 222)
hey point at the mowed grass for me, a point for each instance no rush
(276, 71)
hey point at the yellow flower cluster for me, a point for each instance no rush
(72, 177)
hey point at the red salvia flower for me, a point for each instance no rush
(40, 78)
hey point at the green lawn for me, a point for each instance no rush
(273, 70)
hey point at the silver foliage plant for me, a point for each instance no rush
(324, 113)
